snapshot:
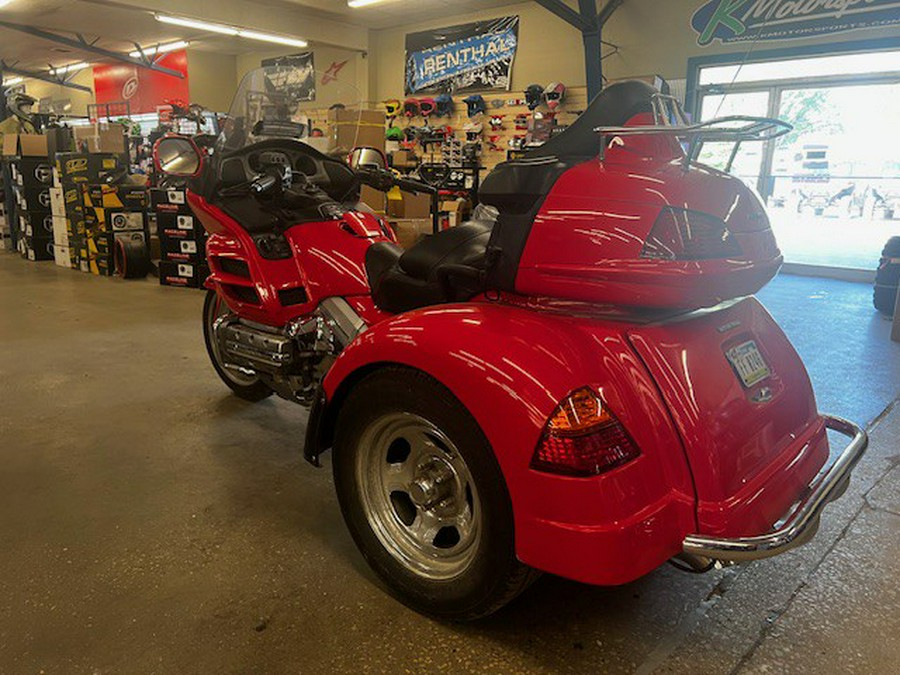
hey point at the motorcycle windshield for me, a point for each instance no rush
(294, 102)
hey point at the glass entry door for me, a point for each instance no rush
(835, 187)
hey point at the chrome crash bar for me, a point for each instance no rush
(802, 524)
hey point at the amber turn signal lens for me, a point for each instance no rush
(583, 438)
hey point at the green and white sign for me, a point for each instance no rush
(751, 20)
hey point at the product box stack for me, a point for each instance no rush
(74, 170)
(112, 212)
(5, 234)
(182, 240)
(32, 176)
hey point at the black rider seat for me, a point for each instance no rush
(429, 272)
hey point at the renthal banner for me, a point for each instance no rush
(469, 56)
(750, 20)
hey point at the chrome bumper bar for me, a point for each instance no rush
(802, 524)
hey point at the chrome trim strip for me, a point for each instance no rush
(801, 525)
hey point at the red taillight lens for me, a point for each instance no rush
(582, 438)
(680, 234)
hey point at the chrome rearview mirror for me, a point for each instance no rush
(365, 157)
(177, 156)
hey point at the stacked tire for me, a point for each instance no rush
(887, 277)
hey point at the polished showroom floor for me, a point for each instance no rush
(152, 523)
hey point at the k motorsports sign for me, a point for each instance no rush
(750, 20)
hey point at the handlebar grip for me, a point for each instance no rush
(263, 184)
(408, 185)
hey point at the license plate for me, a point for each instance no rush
(749, 363)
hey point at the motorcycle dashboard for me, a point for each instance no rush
(295, 154)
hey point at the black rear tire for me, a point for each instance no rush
(249, 389)
(493, 576)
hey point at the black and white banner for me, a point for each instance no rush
(294, 76)
(469, 56)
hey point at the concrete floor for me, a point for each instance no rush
(152, 523)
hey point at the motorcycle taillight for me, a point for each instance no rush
(681, 234)
(583, 438)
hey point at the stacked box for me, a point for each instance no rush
(182, 240)
(73, 171)
(33, 178)
(112, 212)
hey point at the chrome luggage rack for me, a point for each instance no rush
(669, 118)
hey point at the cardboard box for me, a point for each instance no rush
(57, 203)
(374, 199)
(36, 224)
(61, 229)
(410, 230)
(35, 198)
(24, 145)
(122, 221)
(179, 225)
(410, 206)
(404, 159)
(61, 255)
(39, 248)
(182, 274)
(170, 201)
(119, 197)
(35, 171)
(80, 167)
(457, 211)
(101, 138)
(356, 128)
(182, 249)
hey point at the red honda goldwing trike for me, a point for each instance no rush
(577, 381)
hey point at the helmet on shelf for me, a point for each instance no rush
(427, 106)
(534, 94)
(444, 105)
(554, 94)
(392, 107)
(411, 107)
(475, 104)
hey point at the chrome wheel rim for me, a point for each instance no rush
(219, 310)
(419, 496)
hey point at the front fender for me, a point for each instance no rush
(510, 366)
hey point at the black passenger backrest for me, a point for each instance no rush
(518, 188)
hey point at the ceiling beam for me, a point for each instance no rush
(607, 11)
(79, 42)
(567, 14)
(45, 77)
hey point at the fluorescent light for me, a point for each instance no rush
(3, 3)
(71, 68)
(13, 81)
(231, 30)
(161, 49)
(199, 25)
(362, 3)
(268, 37)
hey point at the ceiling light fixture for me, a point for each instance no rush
(198, 25)
(3, 3)
(232, 30)
(13, 81)
(161, 49)
(361, 3)
(71, 68)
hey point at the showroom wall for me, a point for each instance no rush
(211, 78)
(654, 36)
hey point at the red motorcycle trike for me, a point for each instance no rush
(578, 381)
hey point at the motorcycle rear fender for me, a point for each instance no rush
(510, 367)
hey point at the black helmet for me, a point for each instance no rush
(534, 94)
(475, 103)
